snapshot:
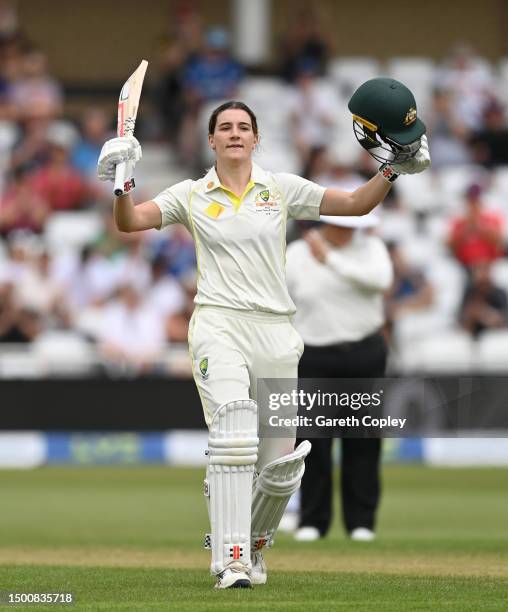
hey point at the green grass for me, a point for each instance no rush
(130, 539)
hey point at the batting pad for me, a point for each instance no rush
(277, 481)
(232, 454)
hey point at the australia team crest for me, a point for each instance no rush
(267, 202)
(203, 368)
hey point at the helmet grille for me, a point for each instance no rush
(382, 148)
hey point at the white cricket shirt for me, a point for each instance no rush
(342, 299)
(241, 241)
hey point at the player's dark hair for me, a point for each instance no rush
(226, 106)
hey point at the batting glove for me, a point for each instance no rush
(418, 163)
(115, 151)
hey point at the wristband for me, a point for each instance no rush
(388, 173)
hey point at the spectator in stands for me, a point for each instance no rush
(212, 75)
(10, 54)
(332, 170)
(90, 279)
(326, 168)
(178, 324)
(177, 52)
(57, 181)
(311, 111)
(170, 89)
(32, 147)
(18, 245)
(448, 132)
(38, 292)
(132, 338)
(317, 167)
(165, 294)
(22, 207)
(112, 242)
(35, 94)
(95, 127)
(410, 290)
(469, 83)
(490, 144)
(9, 22)
(16, 324)
(484, 305)
(177, 248)
(131, 265)
(85, 153)
(476, 236)
(305, 40)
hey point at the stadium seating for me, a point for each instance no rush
(62, 353)
(16, 361)
(348, 73)
(449, 351)
(492, 352)
(72, 230)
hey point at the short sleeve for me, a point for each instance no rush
(174, 203)
(302, 197)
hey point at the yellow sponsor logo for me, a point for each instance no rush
(215, 210)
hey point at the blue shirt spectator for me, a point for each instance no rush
(214, 74)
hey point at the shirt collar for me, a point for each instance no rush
(258, 176)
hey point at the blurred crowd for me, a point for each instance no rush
(132, 295)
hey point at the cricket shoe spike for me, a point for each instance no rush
(258, 574)
(235, 576)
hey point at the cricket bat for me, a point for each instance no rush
(128, 104)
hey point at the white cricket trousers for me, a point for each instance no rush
(230, 349)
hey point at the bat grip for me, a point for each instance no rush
(120, 178)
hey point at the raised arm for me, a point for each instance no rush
(134, 218)
(365, 198)
(359, 202)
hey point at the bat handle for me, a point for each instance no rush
(120, 178)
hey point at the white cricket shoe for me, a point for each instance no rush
(362, 534)
(234, 577)
(258, 574)
(307, 534)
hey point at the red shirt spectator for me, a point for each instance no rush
(21, 207)
(59, 183)
(477, 236)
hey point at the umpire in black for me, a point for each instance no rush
(337, 276)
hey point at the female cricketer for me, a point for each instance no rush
(241, 329)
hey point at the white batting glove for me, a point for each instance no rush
(418, 163)
(116, 151)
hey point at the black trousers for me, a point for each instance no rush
(360, 484)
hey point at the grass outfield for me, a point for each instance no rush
(130, 539)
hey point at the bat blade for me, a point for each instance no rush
(128, 104)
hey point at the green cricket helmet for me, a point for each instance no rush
(385, 120)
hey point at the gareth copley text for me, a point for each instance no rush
(349, 421)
